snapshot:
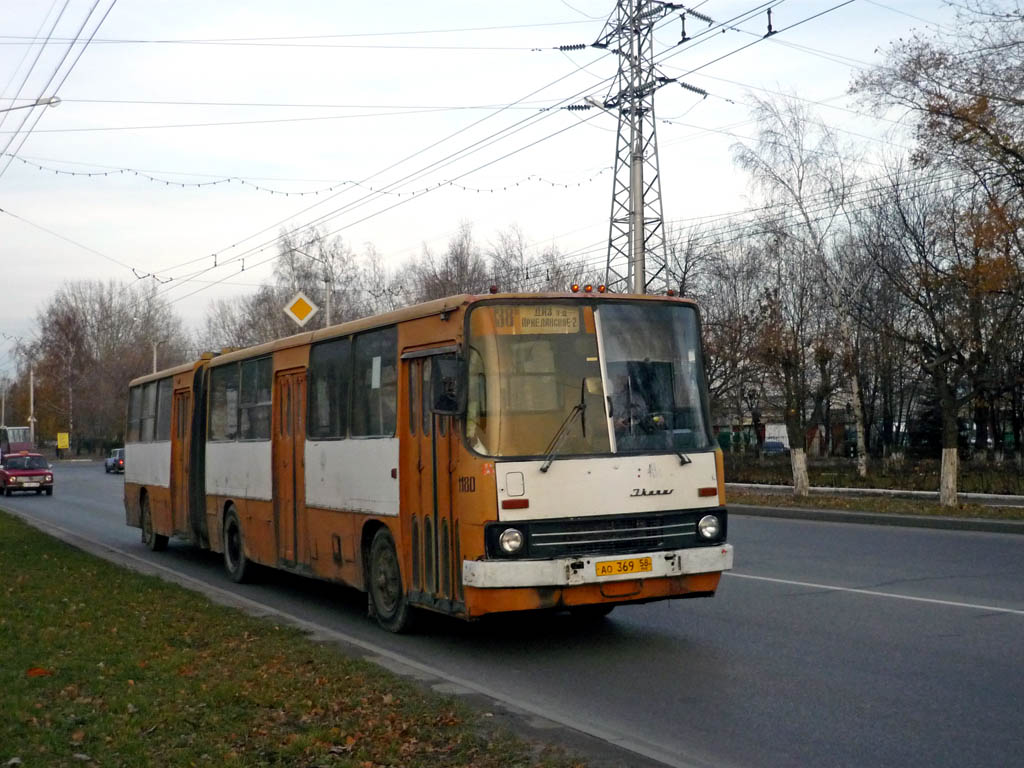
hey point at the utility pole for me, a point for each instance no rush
(32, 406)
(636, 236)
(71, 401)
(328, 289)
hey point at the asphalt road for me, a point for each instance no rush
(830, 644)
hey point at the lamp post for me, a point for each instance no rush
(328, 286)
(52, 101)
(155, 345)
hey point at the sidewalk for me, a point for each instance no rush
(874, 518)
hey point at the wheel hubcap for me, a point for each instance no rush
(387, 581)
(233, 546)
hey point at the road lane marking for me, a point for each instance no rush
(873, 593)
(659, 753)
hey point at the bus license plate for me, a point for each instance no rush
(619, 567)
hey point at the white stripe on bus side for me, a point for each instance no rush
(353, 475)
(239, 470)
(148, 464)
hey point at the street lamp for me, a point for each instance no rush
(52, 101)
(327, 283)
(155, 345)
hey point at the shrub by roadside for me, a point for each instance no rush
(889, 506)
(908, 475)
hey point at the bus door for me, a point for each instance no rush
(180, 460)
(436, 576)
(289, 436)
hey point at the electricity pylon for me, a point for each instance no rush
(636, 235)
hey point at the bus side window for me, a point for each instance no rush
(413, 416)
(134, 431)
(224, 402)
(163, 410)
(149, 397)
(254, 399)
(330, 377)
(428, 415)
(375, 385)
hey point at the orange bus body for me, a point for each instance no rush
(315, 506)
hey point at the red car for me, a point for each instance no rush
(25, 471)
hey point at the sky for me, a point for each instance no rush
(190, 134)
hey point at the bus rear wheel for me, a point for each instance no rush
(388, 600)
(150, 538)
(235, 562)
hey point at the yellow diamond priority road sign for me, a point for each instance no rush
(301, 308)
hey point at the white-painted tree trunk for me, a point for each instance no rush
(858, 411)
(947, 480)
(801, 483)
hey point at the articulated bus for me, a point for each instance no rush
(469, 456)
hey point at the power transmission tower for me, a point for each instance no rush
(636, 238)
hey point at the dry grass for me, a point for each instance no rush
(102, 666)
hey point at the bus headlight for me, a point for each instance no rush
(510, 541)
(709, 527)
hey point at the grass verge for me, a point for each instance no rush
(889, 506)
(103, 666)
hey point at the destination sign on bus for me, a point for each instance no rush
(536, 318)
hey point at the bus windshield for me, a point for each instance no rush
(590, 378)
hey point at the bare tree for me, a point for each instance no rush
(90, 340)
(382, 288)
(953, 257)
(460, 270)
(729, 293)
(510, 261)
(964, 88)
(798, 164)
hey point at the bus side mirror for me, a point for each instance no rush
(447, 396)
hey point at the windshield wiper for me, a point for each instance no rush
(581, 409)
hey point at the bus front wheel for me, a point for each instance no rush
(235, 562)
(389, 603)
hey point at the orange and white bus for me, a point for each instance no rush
(470, 455)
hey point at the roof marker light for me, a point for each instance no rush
(575, 287)
(588, 288)
(602, 288)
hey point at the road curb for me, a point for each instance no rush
(873, 518)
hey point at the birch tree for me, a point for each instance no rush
(799, 167)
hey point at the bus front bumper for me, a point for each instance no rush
(573, 571)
